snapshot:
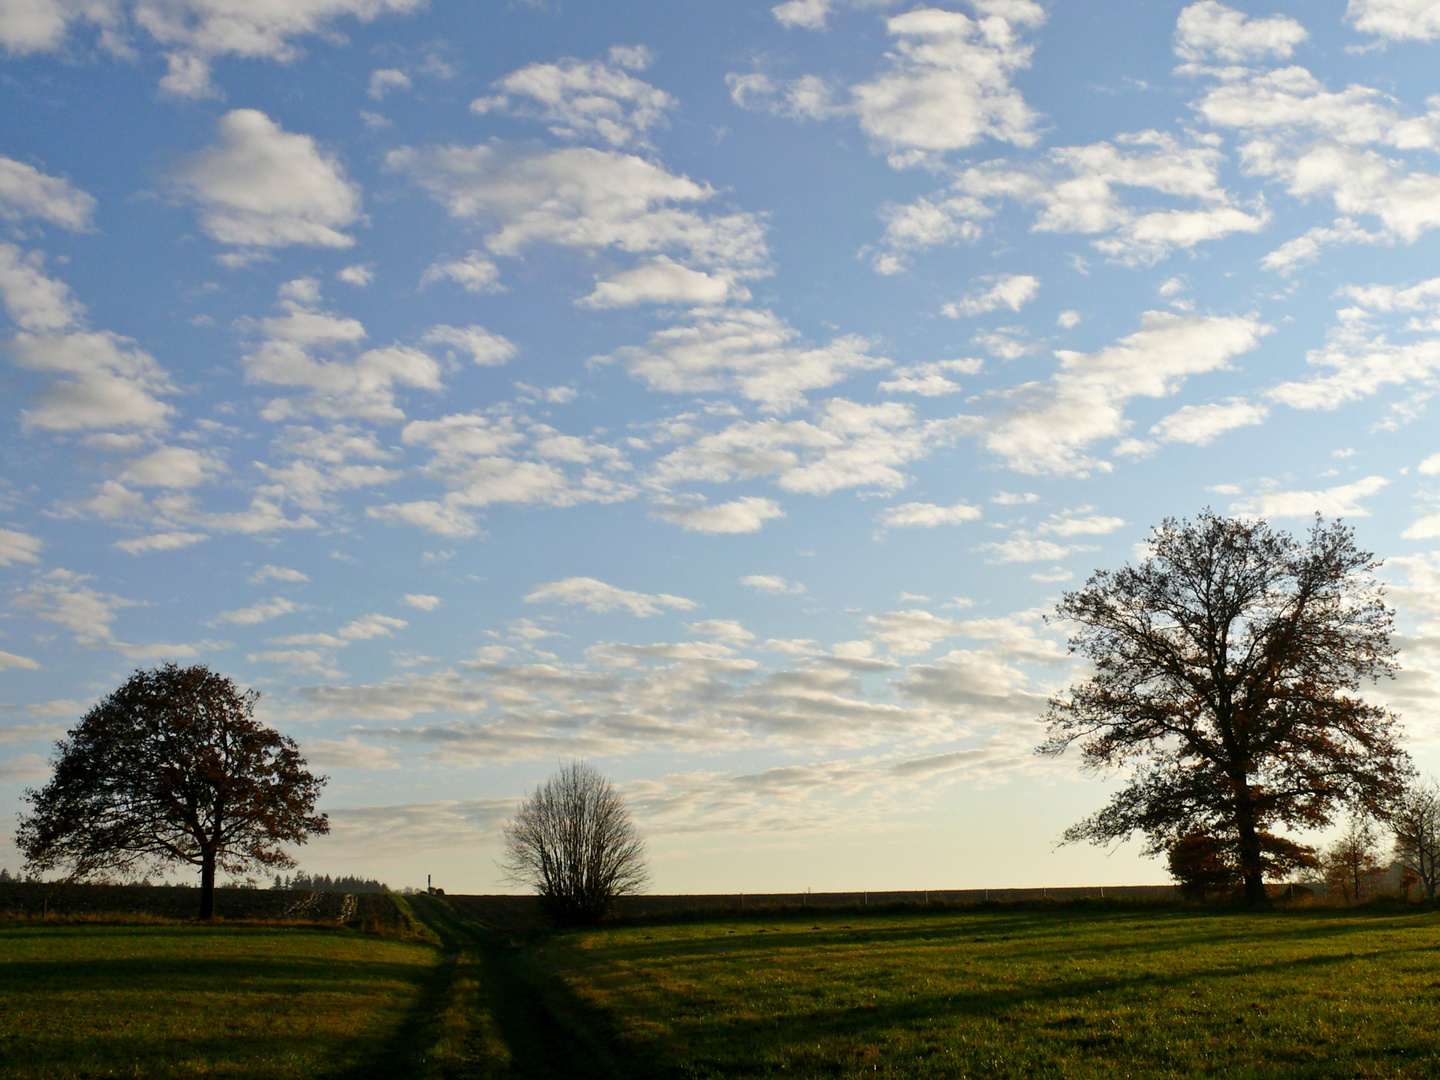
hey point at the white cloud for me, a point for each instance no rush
(371, 626)
(102, 381)
(443, 519)
(1028, 549)
(1077, 190)
(1425, 528)
(948, 83)
(1010, 290)
(754, 353)
(663, 281)
(26, 192)
(746, 514)
(262, 516)
(848, 445)
(807, 13)
(359, 275)
(1049, 426)
(1010, 498)
(9, 661)
(167, 541)
(1211, 31)
(1082, 521)
(1068, 319)
(196, 32)
(1397, 20)
(41, 25)
(1358, 182)
(727, 630)
(322, 463)
(19, 547)
(262, 611)
(61, 597)
(483, 460)
(580, 197)
(911, 633)
(808, 97)
(930, 380)
(385, 81)
(1359, 360)
(577, 99)
(599, 597)
(1199, 425)
(474, 273)
(945, 87)
(1291, 102)
(1306, 248)
(362, 387)
(1341, 501)
(422, 601)
(259, 186)
(172, 467)
(277, 573)
(298, 660)
(928, 515)
(485, 349)
(772, 583)
(1053, 576)
(36, 302)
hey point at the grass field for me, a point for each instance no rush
(83, 999)
(1160, 993)
(1033, 992)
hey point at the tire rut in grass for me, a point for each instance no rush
(549, 1030)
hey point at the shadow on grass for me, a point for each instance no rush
(1026, 935)
(548, 1030)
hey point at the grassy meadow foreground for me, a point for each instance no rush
(85, 999)
(1063, 991)
(1067, 993)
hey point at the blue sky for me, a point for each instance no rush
(721, 393)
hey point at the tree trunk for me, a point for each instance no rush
(207, 884)
(1250, 866)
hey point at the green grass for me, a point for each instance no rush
(1068, 993)
(84, 999)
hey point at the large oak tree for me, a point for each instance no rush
(1227, 667)
(172, 767)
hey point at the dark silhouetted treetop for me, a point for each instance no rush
(172, 767)
(1415, 821)
(1227, 667)
(574, 843)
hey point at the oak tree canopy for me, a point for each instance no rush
(1227, 668)
(172, 767)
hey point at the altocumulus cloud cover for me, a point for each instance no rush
(722, 394)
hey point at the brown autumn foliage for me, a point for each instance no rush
(1227, 674)
(172, 767)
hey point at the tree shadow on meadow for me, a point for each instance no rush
(539, 1027)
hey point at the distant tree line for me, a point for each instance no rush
(303, 882)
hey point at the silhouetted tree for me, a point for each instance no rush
(1226, 670)
(573, 841)
(1415, 820)
(1352, 863)
(1201, 865)
(172, 767)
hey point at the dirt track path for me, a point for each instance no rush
(546, 1031)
